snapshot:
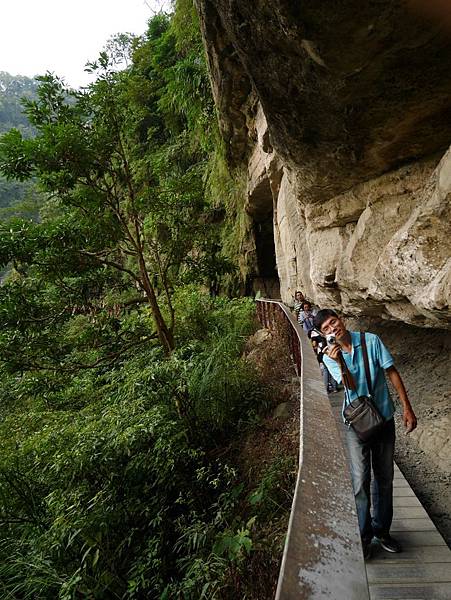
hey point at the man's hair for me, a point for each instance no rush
(323, 315)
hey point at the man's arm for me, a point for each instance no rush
(408, 416)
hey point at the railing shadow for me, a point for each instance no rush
(322, 557)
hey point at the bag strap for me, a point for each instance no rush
(346, 376)
(365, 362)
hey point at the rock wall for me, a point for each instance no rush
(343, 117)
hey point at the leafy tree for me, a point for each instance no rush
(85, 154)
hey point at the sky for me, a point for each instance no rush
(61, 36)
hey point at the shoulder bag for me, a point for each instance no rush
(360, 414)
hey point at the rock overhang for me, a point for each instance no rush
(349, 94)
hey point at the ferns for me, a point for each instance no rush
(223, 387)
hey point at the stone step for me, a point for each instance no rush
(422, 524)
(401, 501)
(425, 591)
(412, 573)
(410, 554)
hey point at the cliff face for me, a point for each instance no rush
(343, 117)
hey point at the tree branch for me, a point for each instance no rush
(111, 263)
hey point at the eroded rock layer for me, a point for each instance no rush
(343, 115)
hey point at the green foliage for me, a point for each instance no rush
(117, 495)
(119, 467)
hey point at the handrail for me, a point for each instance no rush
(322, 557)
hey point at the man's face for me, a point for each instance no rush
(299, 296)
(334, 326)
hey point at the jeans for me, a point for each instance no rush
(377, 453)
(329, 382)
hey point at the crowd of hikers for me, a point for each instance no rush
(305, 313)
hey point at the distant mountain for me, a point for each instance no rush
(12, 89)
(16, 198)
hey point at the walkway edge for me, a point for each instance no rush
(322, 556)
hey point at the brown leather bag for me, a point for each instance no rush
(360, 414)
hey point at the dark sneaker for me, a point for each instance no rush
(367, 551)
(388, 543)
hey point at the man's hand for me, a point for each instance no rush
(409, 418)
(333, 352)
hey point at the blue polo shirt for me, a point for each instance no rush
(379, 359)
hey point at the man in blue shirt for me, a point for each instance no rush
(378, 451)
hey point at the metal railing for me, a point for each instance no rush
(272, 314)
(322, 557)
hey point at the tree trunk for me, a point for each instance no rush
(164, 333)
